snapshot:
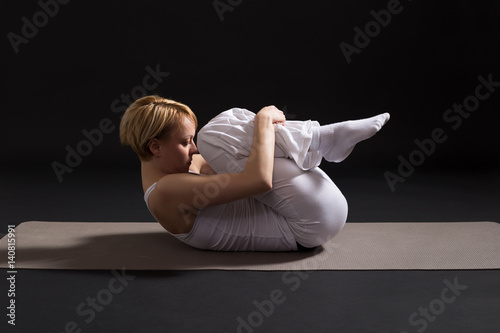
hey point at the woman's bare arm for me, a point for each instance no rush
(260, 161)
(186, 190)
(199, 165)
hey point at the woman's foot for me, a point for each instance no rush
(336, 141)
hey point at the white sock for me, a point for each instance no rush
(336, 141)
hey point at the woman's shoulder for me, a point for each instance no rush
(173, 180)
(165, 206)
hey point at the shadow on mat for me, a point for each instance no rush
(148, 251)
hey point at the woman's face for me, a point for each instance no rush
(176, 151)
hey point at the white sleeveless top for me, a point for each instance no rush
(242, 225)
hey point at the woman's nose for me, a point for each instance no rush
(194, 149)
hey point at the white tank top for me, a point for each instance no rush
(242, 225)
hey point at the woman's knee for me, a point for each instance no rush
(333, 220)
(327, 221)
(330, 206)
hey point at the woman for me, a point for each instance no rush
(254, 186)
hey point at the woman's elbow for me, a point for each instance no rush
(258, 182)
(260, 185)
(266, 185)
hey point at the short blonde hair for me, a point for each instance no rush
(150, 117)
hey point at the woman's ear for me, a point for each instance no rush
(154, 147)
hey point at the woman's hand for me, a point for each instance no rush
(274, 114)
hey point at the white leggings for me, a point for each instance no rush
(304, 205)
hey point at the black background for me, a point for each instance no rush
(428, 57)
(286, 53)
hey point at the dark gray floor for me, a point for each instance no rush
(237, 301)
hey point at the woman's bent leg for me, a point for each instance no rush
(231, 133)
(303, 207)
(313, 206)
(306, 142)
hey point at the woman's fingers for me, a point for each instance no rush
(280, 117)
(277, 116)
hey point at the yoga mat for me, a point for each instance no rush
(359, 246)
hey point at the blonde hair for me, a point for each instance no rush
(150, 117)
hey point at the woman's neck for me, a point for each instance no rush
(150, 174)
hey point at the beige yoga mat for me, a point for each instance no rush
(360, 246)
